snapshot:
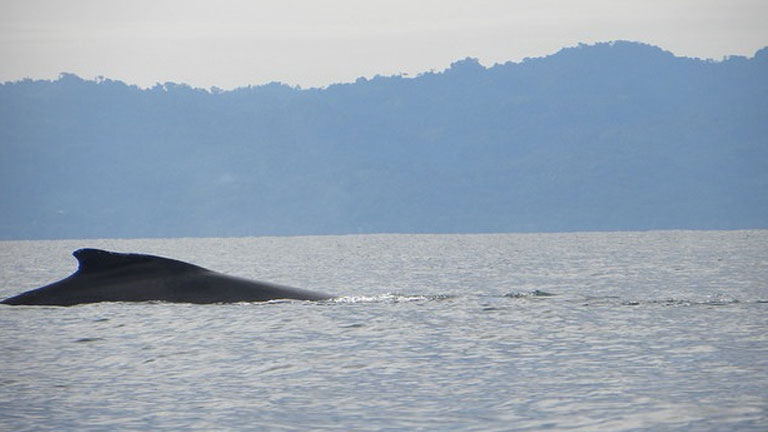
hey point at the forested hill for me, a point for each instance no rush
(613, 136)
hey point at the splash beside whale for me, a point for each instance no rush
(104, 276)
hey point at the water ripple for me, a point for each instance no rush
(647, 331)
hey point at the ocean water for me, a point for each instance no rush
(618, 331)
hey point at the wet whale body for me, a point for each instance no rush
(104, 276)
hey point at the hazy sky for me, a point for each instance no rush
(230, 43)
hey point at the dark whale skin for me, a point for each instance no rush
(104, 276)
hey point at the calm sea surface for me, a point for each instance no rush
(588, 331)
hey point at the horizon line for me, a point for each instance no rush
(216, 89)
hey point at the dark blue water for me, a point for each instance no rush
(642, 331)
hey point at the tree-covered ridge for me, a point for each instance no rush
(609, 136)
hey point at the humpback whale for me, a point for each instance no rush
(104, 276)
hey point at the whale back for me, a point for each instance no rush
(93, 261)
(127, 277)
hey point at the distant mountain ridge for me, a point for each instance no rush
(611, 136)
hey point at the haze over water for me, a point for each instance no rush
(660, 330)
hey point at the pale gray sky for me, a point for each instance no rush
(231, 43)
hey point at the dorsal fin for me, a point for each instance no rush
(96, 260)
